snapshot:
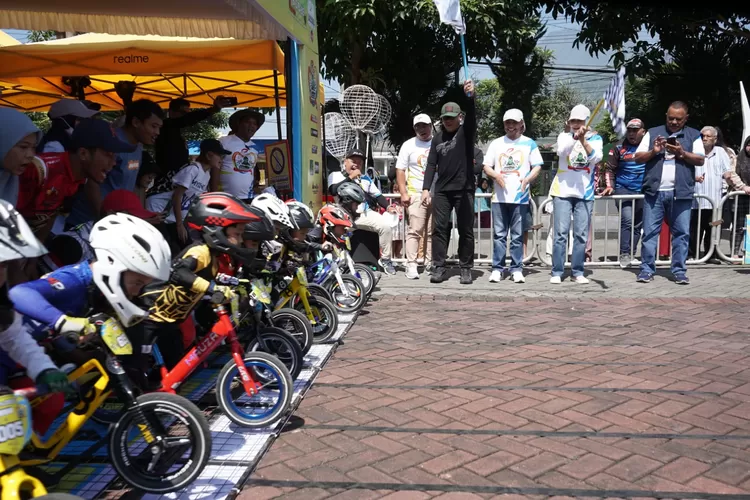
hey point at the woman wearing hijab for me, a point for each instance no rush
(18, 139)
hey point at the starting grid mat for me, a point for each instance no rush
(84, 464)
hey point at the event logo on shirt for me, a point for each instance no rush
(422, 160)
(510, 161)
(578, 159)
(244, 160)
(134, 164)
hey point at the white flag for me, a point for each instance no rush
(614, 101)
(745, 114)
(450, 13)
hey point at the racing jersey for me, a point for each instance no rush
(193, 272)
(46, 189)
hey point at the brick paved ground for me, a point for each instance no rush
(530, 391)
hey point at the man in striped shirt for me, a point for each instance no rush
(708, 182)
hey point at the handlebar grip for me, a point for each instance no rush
(72, 337)
(217, 298)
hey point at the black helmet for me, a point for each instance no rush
(301, 214)
(260, 230)
(350, 192)
(211, 213)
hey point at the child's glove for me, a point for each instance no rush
(56, 380)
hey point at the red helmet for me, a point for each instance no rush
(331, 216)
(210, 213)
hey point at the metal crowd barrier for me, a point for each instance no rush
(541, 227)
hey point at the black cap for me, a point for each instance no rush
(92, 133)
(355, 152)
(213, 146)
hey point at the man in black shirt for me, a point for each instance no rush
(452, 157)
(170, 148)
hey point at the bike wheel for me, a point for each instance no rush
(296, 324)
(356, 298)
(367, 277)
(268, 405)
(182, 454)
(281, 344)
(319, 291)
(326, 319)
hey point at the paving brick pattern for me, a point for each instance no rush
(566, 394)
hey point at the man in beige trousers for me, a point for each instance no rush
(410, 166)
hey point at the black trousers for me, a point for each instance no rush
(700, 233)
(443, 204)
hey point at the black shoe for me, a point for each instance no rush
(438, 275)
(466, 278)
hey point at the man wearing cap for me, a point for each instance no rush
(572, 192)
(671, 152)
(628, 181)
(64, 116)
(452, 159)
(143, 119)
(370, 219)
(49, 183)
(171, 150)
(513, 162)
(410, 167)
(238, 172)
(187, 183)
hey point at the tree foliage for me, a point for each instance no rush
(489, 106)
(41, 35)
(207, 129)
(552, 108)
(400, 49)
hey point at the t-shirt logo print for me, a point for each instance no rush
(510, 162)
(244, 160)
(578, 160)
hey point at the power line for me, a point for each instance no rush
(558, 68)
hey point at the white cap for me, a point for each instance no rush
(580, 112)
(513, 114)
(422, 118)
(73, 107)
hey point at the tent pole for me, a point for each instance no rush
(278, 102)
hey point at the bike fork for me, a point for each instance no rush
(248, 382)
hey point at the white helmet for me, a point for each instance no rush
(275, 209)
(17, 241)
(122, 242)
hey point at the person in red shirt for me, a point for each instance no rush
(53, 178)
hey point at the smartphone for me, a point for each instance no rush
(672, 141)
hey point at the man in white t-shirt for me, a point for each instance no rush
(237, 174)
(513, 161)
(410, 166)
(187, 183)
(671, 152)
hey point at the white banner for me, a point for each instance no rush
(450, 13)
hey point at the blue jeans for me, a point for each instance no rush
(507, 217)
(630, 221)
(655, 208)
(580, 210)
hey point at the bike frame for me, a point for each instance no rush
(331, 267)
(222, 330)
(89, 403)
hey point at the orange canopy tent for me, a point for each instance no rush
(33, 76)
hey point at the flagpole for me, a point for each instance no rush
(466, 59)
(596, 112)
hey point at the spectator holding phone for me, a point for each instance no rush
(671, 152)
(171, 149)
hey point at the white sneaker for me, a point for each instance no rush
(496, 276)
(518, 277)
(411, 272)
(581, 280)
(428, 269)
(555, 280)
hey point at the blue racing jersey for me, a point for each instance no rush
(62, 292)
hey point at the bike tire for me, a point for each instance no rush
(327, 320)
(319, 291)
(225, 390)
(367, 277)
(296, 324)
(356, 299)
(200, 437)
(282, 345)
